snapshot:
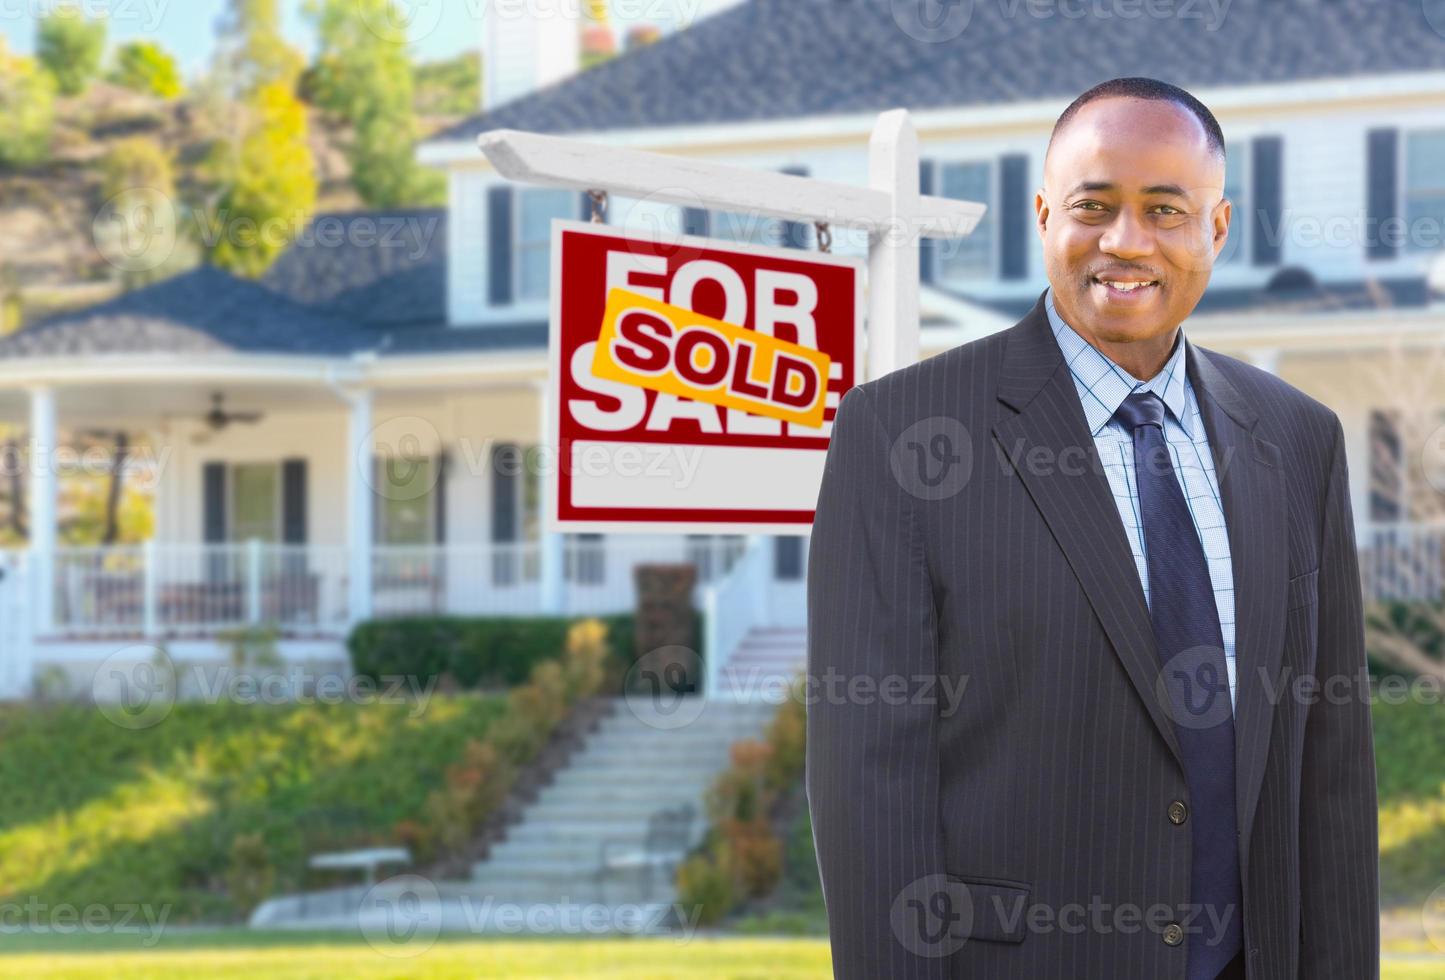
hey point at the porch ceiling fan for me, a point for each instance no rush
(218, 418)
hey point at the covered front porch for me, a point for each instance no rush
(324, 494)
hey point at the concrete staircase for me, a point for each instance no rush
(764, 663)
(644, 757)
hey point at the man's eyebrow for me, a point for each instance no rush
(1104, 185)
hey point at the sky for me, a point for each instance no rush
(186, 28)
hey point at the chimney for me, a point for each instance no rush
(527, 45)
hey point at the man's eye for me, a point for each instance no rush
(1089, 205)
(1170, 209)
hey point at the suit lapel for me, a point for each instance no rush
(1252, 490)
(1050, 446)
(1078, 506)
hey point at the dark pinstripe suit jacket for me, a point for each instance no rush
(1038, 800)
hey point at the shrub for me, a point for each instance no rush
(705, 883)
(27, 110)
(250, 875)
(70, 47)
(485, 652)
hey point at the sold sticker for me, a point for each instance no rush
(675, 350)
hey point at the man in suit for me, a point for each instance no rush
(1086, 674)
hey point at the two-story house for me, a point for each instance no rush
(360, 434)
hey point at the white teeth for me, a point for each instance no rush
(1125, 286)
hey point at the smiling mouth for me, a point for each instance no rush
(1125, 285)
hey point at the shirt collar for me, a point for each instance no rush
(1103, 385)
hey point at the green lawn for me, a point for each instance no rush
(99, 814)
(246, 955)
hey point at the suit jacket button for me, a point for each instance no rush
(1173, 934)
(1178, 812)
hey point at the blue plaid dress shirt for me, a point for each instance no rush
(1103, 386)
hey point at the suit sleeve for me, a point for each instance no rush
(872, 761)
(1339, 845)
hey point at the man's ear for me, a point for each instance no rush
(1041, 212)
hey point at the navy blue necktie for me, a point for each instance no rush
(1195, 681)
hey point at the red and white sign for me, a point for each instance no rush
(636, 455)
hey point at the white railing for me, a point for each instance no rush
(179, 589)
(1402, 561)
(732, 606)
(194, 589)
(468, 580)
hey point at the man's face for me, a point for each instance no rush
(1132, 194)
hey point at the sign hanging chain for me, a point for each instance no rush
(825, 236)
(599, 206)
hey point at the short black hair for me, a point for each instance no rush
(1135, 87)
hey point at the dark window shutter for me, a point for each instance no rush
(926, 179)
(213, 506)
(499, 245)
(1013, 221)
(1266, 236)
(1382, 190)
(439, 496)
(695, 222)
(787, 558)
(1386, 468)
(506, 477)
(794, 233)
(293, 501)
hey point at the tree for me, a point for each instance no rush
(27, 110)
(252, 50)
(138, 225)
(271, 188)
(70, 47)
(147, 67)
(452, 87)
(363, 75)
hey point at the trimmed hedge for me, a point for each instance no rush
(481, 651)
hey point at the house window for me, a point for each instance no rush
(1424, 190)
(1405, 485)
(1236, 179)
(973, 257)
(255, 502)
(406, 510)
(533, 245)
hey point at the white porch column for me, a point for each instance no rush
(550, 543)
(1266, 359)
(360, 501)
(43, 480)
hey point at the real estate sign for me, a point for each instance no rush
(693, 381)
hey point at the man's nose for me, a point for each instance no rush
(1127, 236)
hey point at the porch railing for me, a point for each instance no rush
(1402, 561)
(177, 590)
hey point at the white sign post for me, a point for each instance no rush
(890, 209)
